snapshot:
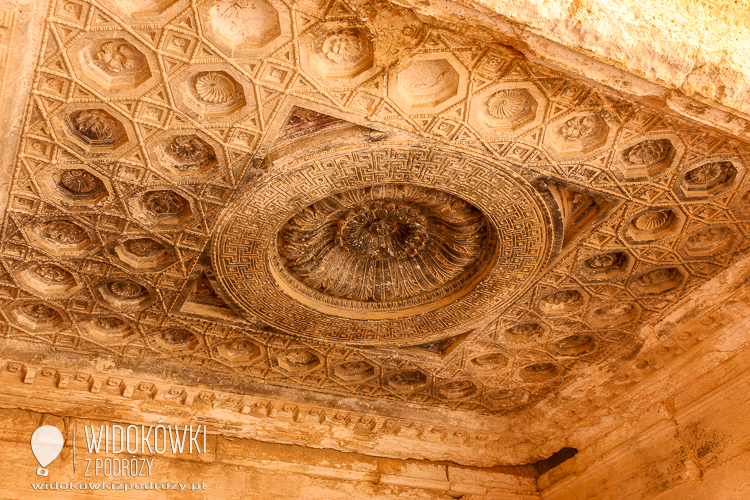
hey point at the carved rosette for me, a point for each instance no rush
(387, 244)
(355, 263)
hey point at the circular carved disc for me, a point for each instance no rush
(382, 244)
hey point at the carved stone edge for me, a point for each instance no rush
(46, 386)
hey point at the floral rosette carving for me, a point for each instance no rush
(343, 46)
(385, 243)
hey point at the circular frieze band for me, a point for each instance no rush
(387, 243)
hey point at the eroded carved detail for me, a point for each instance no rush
(491, 361)
(189, 153)
(62, 232)
(118, 56)
(648, 152)
(457, 389)
(708, 179)
(251, 23)
(96, 124)
(708, 241)
(561, 302)
(354, 371)
(538, 372)
(381, 243)
(50, 273)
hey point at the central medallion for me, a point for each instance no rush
(381, 244)
(393, 246)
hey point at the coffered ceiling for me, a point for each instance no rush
(349, 204)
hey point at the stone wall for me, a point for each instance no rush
(694, 444)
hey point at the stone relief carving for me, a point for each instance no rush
(62, 232)
(253, 23)
(483, 215)
(214, 87)
(119, 56)
(379, 234)
(96, 124)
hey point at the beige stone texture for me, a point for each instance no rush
(381, 249)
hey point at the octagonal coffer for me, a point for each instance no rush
(708, 242)
(341, 53)
(95, 130)
(605, 265)
(77, 187)
(427, 82)
(109, 329)
(239, 352)
(142, 253)
(47, 279)
(654, 224)
(35, 316)
(707, 180)
(114, 64)
(246, 28)
(579, 134)
(124, 294)
(354, 371)
(647, 158)
(299, 360)
(212, 92)
(176, 340)
(60, 237)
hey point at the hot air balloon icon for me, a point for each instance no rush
(46, 444)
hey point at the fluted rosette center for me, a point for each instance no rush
(383, 229)
(386, 243)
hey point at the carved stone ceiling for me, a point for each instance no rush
(345, 202)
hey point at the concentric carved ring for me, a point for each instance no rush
(386, 244)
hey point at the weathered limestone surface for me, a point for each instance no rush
(236, 468)
(382, 248)
(694, 47)
(684, 445)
